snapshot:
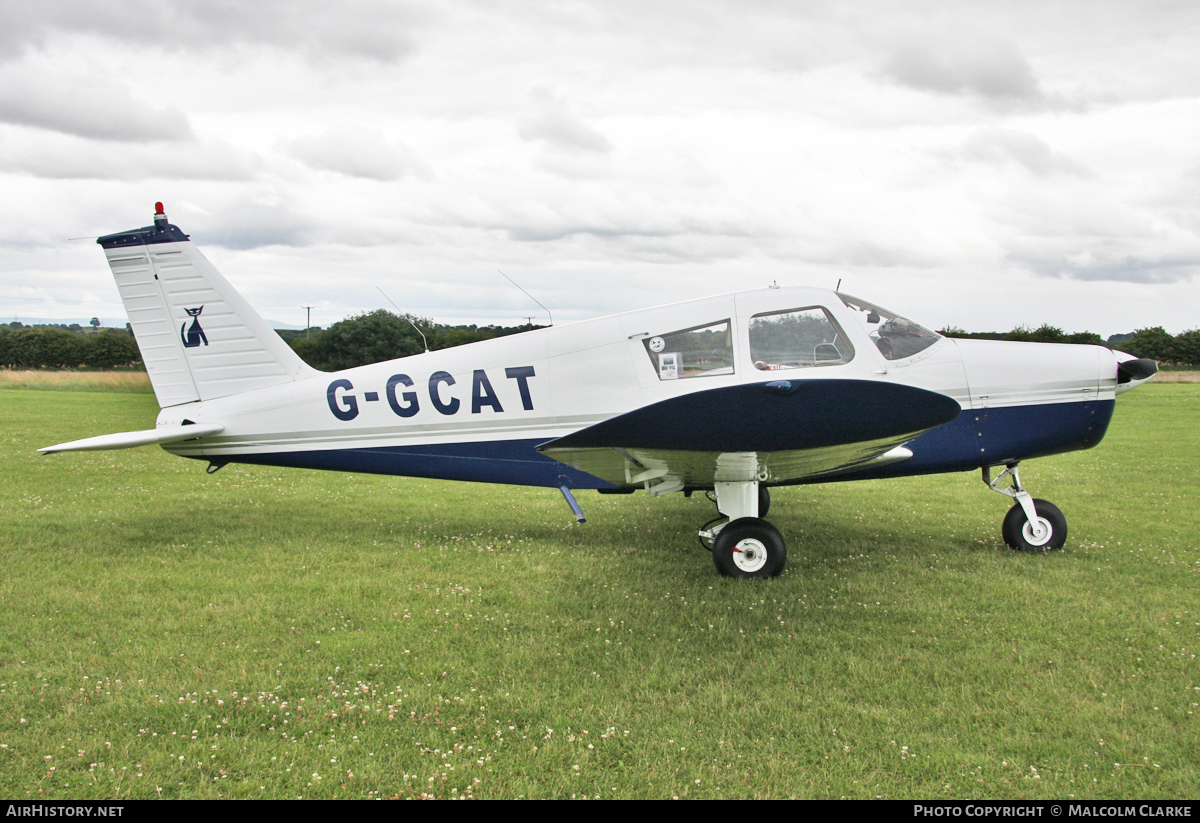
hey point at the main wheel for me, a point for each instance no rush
(764, 501)
(749, 547)
(1018, 533)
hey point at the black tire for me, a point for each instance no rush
(1017, 536)
(749, 547)
(764, 501)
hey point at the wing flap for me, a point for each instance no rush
(674, 470)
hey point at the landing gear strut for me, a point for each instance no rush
(745, 545)
(1033, 525)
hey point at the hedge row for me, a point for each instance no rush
(1182, 349)
(35, 347)
(1156, 343)
(381, 335)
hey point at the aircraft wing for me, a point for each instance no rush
(128, 440)
(774, 432)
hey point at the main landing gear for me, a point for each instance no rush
(1032, 525)
(745, 545)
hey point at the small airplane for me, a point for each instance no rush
(729, 395)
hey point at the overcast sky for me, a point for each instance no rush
(978, 165)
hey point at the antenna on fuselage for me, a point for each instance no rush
(527, 294)
(409, 319)
(839, 285)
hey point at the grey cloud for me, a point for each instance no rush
(994, 71)
(1000, 147)
(255, 225)
(85, 107)
(552, 121)
(583, 242)
(690, 231)
(1127, 259)
(866, 253)
(65, 157)
(379, 30)
(356, 151)
(542, 233)
(1128, 268)
(575, 165)
(585, 222)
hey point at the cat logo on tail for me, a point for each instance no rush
(195, 334)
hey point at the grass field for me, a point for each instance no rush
(279, 633)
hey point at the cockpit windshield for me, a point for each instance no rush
(896, 337)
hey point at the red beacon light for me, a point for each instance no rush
(158, 209)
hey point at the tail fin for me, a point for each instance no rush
(199, 338)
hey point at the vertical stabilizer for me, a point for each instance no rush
(199, 338)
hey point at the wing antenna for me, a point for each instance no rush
(527, 294)
(409, 319)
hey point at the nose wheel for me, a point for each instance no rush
(1032, 525)
(1022, 536)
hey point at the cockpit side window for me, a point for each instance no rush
(896, 337)
(696, 352)
(795, 339)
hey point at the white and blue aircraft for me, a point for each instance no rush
(729, 395)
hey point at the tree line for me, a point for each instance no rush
(370, 337)
(1156, 343)
(66, 347)
(381, 335)
(373, 337)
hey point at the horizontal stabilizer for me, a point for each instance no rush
(128, 440)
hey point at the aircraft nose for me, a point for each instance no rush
(1002, 373)
(1133, 371)
(1033, 399)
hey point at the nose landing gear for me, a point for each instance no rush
(1033, 525)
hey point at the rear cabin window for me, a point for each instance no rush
(697, 352)
(797, 339)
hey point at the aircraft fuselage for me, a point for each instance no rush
(478, 412)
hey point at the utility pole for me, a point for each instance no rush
(307, 320)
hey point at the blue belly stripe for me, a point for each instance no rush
(515, 462)
(976, 438)
(994, 437)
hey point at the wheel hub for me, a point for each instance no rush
(1037, 539)
(749, 555)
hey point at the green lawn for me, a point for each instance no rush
(278, 633)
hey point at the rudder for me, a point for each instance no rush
(198, 336)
